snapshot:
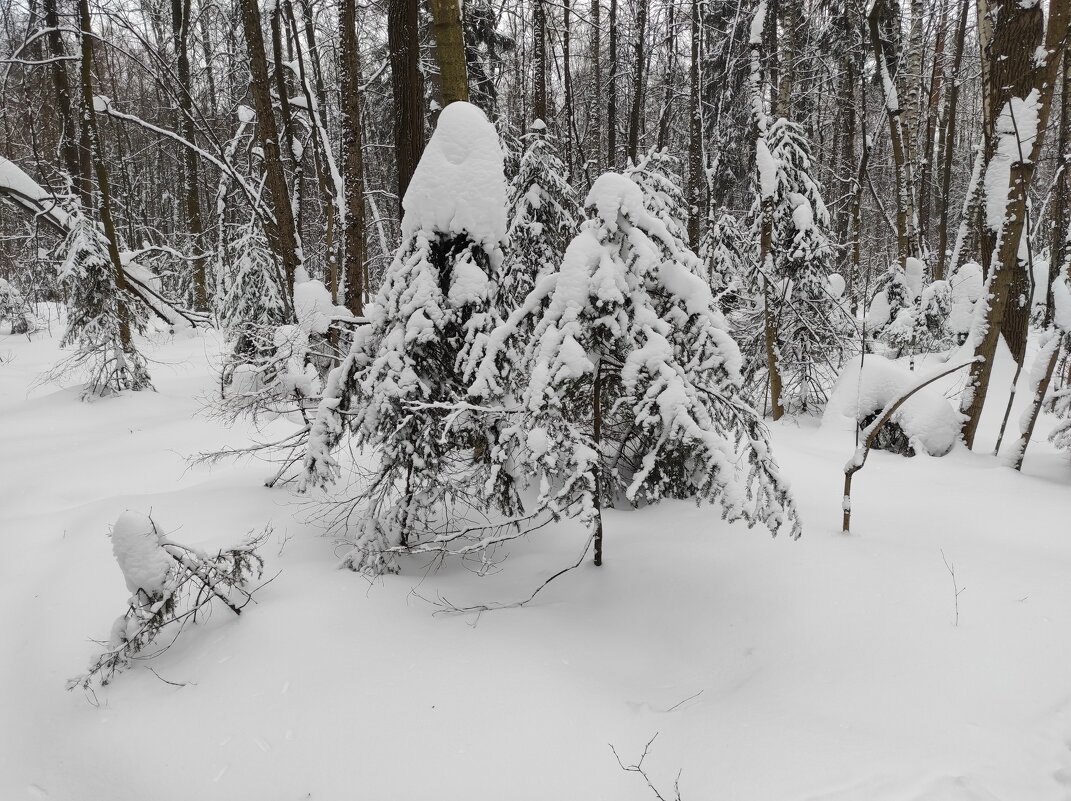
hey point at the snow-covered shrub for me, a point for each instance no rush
(927, 422)
(966, 288)
(279, 348)
(398, 390)
(909, 315)
(16, 310)
(100, 319)
(631, 390)
(169, 585)
(542, 217)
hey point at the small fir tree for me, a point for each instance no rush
(100, 319)
(542, 216)
(812, 331)
(632, 389)
(398, 390)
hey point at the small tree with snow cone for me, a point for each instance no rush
(398, 389)
(632, 390)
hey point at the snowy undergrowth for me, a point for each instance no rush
(823, 669)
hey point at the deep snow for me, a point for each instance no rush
(823, 669)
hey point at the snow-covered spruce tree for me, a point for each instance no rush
(723, 251)
(100, 318)
(398, 391)
(543, 215)
(16, 310)
(656, 175)
(169, 584)
(633, 389)
(812, 330)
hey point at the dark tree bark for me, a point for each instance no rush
(403, 37)
(91, 135)
(640, 85)
(450, 50)
(180, 28)
(68, 134)
(282, 234)
(353, 240)
(695, 136)
(611, 93)
(1014, 44)
(942, 267)
(539, 59)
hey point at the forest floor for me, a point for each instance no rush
(828, 668)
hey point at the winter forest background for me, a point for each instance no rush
(467, 299)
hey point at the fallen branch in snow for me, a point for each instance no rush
(638, 768)
(448, 607)
(855, 464)
(170, 585)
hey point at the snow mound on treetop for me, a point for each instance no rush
(928, 420)
(137, 548)
(458, 186)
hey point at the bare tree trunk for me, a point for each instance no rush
(352, 222)
(1059, 263)
(611, 93)
(1016, 71)
(596, 69)
(765, 276)
(282, 234)
(640, 82)
(696, 179)
(596, 420)
(403, 37)
(180, 26)
(904, 247)
(289, 133)
(68, 133)
(450, 50)
(572, 139)
(91, 135)
(911, 111)
(948, 141)
(788, 52)
(1016, 29)
(933, 103)
(539, 57)
(665, 116)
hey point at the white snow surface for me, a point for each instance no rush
(458, 185)
(926, 418)
(825, 669)
(137, 549)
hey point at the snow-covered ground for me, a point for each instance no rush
(825, 668)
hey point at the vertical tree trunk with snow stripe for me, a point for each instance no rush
(1011, 60)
